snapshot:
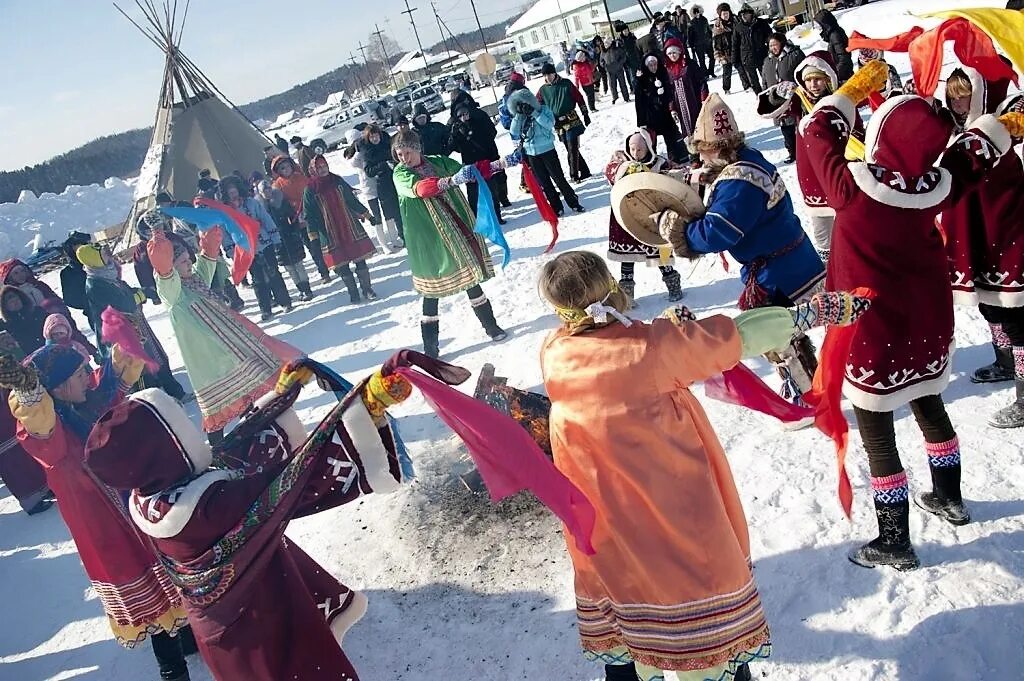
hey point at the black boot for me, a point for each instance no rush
(485, 313)
(306, 291)
(1013, 415)
(999, 370)
(945, 499)
(620, 672)
(234, 300)
(431, 331)
(892, 547)
(743, 673)
(350, 283)
(363, 272)
(673, 282)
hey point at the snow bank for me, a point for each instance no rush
(50, 217)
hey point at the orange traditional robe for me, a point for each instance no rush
(671, 579)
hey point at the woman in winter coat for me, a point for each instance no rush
(584, 72)
(290, 252)
(655, 104)
(533, 131)
(433, 134)
(23, 319)
(473, 136)
(104, 288)
(689, 85)
(332, 209)
(777, 102)
(886, 239)
(983, 240)
(16, 273)
(57, 398)
(837, 40)
(445, 255)
(616, 62)
(292, 183)
(375, 147)
(721, 38)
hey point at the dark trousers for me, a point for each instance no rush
(879, 436)
(618, 82)
(602, 73)
(727, 77)
(548, 170)
(706, 58)
(789, 138)
(430, 304)
(742, 72)
(578, 168)
(673, 143)
(169, 655)
(1010, 318)
(313, 246)
(752, 77)
(493, 183)
(268, 282)
(165, 380)
(591, 93)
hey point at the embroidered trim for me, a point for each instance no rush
(943, 454)
(771, 185)
(892, 189)
(181, 502)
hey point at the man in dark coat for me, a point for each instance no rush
(281, 143)
(779, 73)
(750, 45)
(629, 44)
(721, 37)
(473, 136)
(700, 40)
(616, 62)
(837, 40)
(433, 135)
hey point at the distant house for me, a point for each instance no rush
(414, 66)
(551, 22)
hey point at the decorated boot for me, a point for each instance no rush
(485, 313)
(944, 500)
(628, 286)
(430, 328)
(673, 282)
(1013, 415)
(892, 547)
(1001, 369)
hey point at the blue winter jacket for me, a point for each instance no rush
(540, 133)
(504, 115)
(750, 215)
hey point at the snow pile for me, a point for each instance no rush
(50, 217)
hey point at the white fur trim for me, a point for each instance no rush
(821, 65)
(184, 506)
(995, 131)
(869, 184)
(965, 298)
(979, 94)
(876, 123)
(996, 298)
(840, 103)
(896, 399)
(288, 422)
(176, 421)
(349, 616)
(1011, 103)
(369, 448)
(820, 211)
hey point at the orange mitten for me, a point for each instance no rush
(161, 253)
(209, 242)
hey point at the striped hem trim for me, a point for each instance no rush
(756, 646)
(943, 454)
(890, 481)
(137, 605)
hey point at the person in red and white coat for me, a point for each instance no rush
(886, 239)
(984, 242)
(261, 608)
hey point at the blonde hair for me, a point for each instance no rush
(575, 280)
(958, 85)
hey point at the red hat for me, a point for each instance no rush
(146, 442)
(674, 42)
(907, 136)
(517, 77)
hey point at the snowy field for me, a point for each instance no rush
(462, 590)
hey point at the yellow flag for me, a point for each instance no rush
(1004, 26)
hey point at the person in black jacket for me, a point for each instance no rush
(473, 136)
(721, 40)
(632, 51)
(654, 97)
(433, 135)
(375, 146)
(699, 36)
(291, 252)
(750, 45)
(837, 40)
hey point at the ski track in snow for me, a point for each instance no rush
(462, 589)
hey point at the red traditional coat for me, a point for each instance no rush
(22, 474)
(813, 189)
(886, 239)
(260, 607)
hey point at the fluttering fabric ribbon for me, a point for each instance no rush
(118, 329)
(486, 218)
(1004, 26)
(826, 396)
(243, 230)
(972, 46)
(742, 387)
(547, 213)
(507, 457)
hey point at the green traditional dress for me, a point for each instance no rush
(445, 255)
(230, 361)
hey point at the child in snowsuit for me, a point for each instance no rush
(620, 386)
(886, 239)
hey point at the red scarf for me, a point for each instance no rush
(328, 189)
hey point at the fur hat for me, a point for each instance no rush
(716, 124)
(523, 96)
(173, 450)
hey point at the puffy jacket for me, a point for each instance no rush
(615, 58)
(629, 44)
(583, 71)
(750, 40)
(699, 32)
(782, 69)
(474, 140)
(721, 39)
(535, 131)
(837, 40)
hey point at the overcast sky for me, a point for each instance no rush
(74, 70)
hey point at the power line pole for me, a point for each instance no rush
(355, 71)
(409, 11)
(387, 58)
(366, 62)
(444, 38)
(483, 40)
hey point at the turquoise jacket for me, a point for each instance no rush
(536, 131)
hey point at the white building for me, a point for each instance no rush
(550, 22)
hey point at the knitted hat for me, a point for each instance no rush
(55, 364)
(673, 43)
(905, 135)
(716, 124)
(90, 255)
(548, 69)
(173, 450)
(517, 77)
(54, 322)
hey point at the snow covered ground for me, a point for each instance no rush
(462, 590)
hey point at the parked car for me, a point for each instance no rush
(503, 73)
(534, 60)
(429, 98)
(333, 134)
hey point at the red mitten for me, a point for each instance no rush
(209, 242)
(161, 253)
(427, 188)
(485, 168)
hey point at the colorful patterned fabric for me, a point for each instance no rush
(999, 337)
(943, 454)
(1018, 362)
(891, 489)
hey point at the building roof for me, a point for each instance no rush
(546, 10)
(411, 62)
